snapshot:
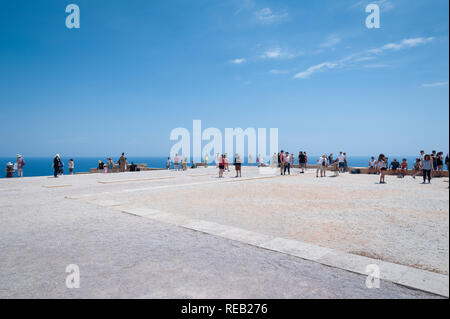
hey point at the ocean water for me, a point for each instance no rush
(41, 166)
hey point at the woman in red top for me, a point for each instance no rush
(221, 166)
(404, 167)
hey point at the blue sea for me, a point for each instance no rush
(41, 166)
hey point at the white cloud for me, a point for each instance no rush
(278, 53)
(267, 16)
(316, 68)
(238, 61)
(433, 85)
(331, 41)
(406, 43)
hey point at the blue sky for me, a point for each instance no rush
(137, 69)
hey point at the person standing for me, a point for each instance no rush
(168, 164)
(238, 165)
(440, 163)
(121, 162)
(427, 168)
(221, 166)
(227, 163)
(287, 164)
(282, 162)
(322, 164)
(345, 162)
(206, 160)
(71, 166)
(382, 164)
(302, 162)
(306, 161)
(20, 164)
(56, 165)
(341, 161)
(176, 162)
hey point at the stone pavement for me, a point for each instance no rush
(47, 224)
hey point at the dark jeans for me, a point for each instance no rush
(56, 171)
(287, 166)
(427, 173)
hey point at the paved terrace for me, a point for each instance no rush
(167, 234)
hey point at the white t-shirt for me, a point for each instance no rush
(341, 158)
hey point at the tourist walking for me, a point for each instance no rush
(238, 165)
(382, 166)
(20, 163)
(168, 164)
(206, 160)
(427, 168)
(71, 166)
(110, 165)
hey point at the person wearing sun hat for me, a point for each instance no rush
(20, 163)
(9, 170)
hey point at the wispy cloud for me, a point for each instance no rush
(331, 41)
(433, 85)
(267, 16)
(238, 61)
(406, 43)
(278, 53)
(365, 56)
(316, 68)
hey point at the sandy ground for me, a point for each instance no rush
(403, 222)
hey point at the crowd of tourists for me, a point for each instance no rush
(428, 166)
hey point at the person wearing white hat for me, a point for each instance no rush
(9, 170)
(20, 163)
